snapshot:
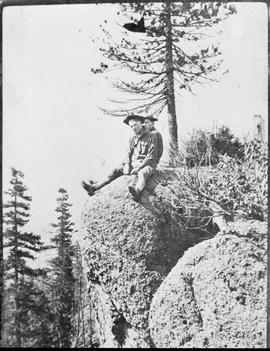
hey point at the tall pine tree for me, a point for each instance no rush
(43, 331)
(62, 279)
(20, 247)
(165, 59)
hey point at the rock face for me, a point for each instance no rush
(128, 249)
(216, 294)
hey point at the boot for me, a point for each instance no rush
(135, 192)
(89, 188)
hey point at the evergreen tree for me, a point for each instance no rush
(21, 248)
(62, 279)
(41, 316)
(225, 142)
(165, 59)
(196, 147)
(36, 315)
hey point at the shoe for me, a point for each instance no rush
(89, 188)
(135, 193)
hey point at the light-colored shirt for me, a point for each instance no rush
(142, 150)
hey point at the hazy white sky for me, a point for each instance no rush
(53, 130)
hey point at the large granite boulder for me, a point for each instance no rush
(216, 294)
(128, 250)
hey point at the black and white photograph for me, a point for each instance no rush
(134, 174)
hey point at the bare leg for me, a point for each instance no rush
(143, 176)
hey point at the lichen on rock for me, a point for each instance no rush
(216, 294)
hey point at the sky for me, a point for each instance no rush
(53, 129)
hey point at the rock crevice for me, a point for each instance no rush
(228, 291)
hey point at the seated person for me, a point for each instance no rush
(149, 127)
(141, 159)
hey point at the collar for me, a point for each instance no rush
(138, 136)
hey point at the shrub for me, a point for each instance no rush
(226, 143)
(204, 148)
(235, 186)
(196, 148)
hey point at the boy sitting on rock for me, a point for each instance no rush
(150, 127)
(141, 159)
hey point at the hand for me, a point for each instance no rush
(134, 171)
(126, 169)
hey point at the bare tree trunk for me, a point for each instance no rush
(172, 121)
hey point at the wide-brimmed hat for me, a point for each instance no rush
(152, 119)
(136, 117)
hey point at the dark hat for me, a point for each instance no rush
(152, 119)
(136, 117)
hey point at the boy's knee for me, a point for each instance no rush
(146, 171)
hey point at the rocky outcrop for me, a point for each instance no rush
(128, 249)
(216, 294)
